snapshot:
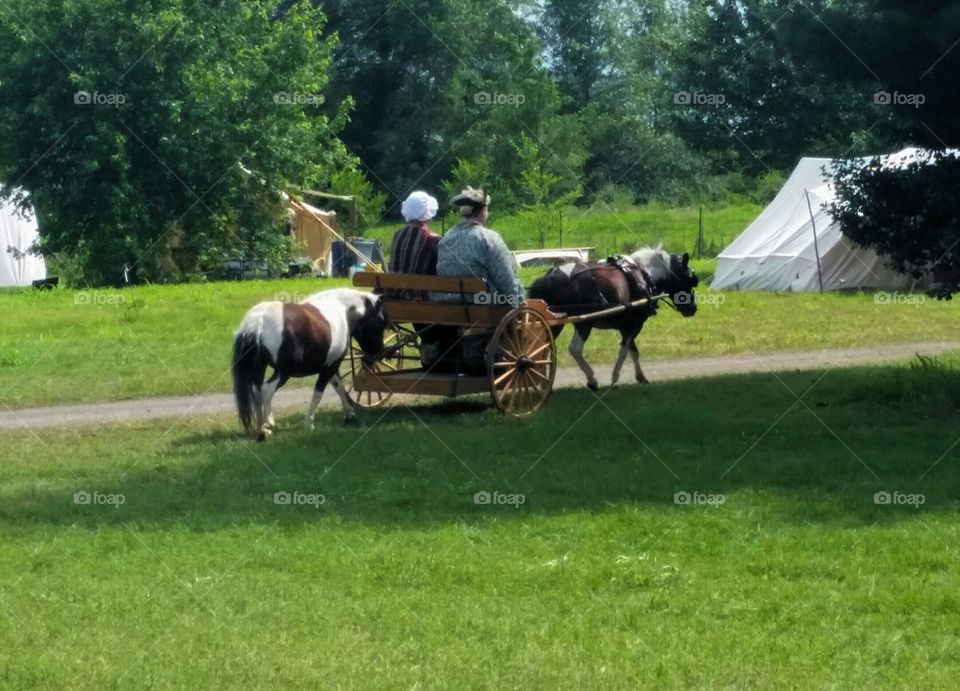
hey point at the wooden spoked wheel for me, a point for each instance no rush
(393, 347)
(522, 361)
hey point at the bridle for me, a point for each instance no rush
(668, 298)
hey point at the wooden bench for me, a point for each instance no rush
(465, 311)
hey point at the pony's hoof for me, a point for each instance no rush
(642, 380)
(351, 419)
(309, 425)
(262, 437)
(593, 385)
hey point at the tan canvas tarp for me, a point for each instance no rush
(314, 230)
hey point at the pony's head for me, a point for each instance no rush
(671, 275)
(371, 324)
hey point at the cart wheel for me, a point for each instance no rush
(522, 361)
(393, 346)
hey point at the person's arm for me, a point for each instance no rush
(431, 253)
(394, 266)
(502, 268)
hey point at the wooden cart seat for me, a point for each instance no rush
(465, 311)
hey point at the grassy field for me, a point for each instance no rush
(713, 533)
(89, 345)
(611, 231)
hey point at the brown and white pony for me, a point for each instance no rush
(300, 340)
(581, 288)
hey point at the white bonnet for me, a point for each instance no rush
(419, 206)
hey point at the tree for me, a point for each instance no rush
(545, 184)
(746, 93)
(898, 55)
(578, 35)
(179, 137)
(906, 214)
(437, 82)
(351, 181)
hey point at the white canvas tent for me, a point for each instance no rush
(18, 231)
(779, 250)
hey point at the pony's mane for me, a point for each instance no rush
(343, 296)
(655, 260)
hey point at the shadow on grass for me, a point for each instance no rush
(747, 439)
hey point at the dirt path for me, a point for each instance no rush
(656, 370)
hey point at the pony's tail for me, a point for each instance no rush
(246, 360)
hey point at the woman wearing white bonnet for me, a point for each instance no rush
(419, 206)
(414, 247)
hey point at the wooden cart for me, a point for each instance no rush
(521, 358)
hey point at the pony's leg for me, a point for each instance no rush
(258, 411)
(621, 356)
(576, 351)
(315, 401)
(349, 414)
(268, 390)
(635, 356)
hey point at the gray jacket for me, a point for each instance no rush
(469, 249)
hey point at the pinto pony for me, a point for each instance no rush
(300, 340)
(581, 288)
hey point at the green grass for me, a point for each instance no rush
(611, 231)
(87, 345)
(67, 345)
(599, 580)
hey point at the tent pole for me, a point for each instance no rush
(816, 249)
(346, 242)
(700, 234)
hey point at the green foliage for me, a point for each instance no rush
(746, 90)
(767, 186)
(457, 81)
(906, 62)
(370, 202)
(167, 150)
(907, 214)
(473, 173)
(541, 183)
